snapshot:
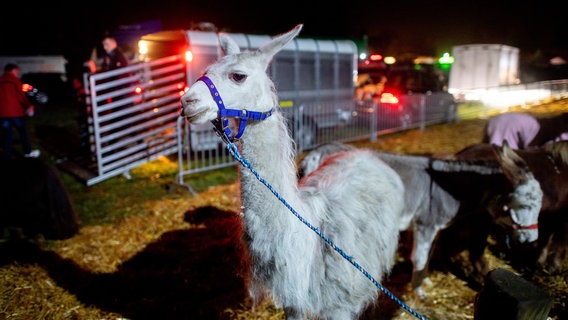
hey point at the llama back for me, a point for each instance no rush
(312, 160)
(372, 187)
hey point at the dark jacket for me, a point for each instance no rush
(114, 59)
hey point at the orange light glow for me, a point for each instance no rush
(376, 57)
(390, 60)
(138, 90)
(188, 56)
(142, 47)
(389, 98)
(27, 87)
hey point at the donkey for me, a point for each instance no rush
(439, 192)
(549, 164)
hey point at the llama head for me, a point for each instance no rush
(240, 79)
(521, 209)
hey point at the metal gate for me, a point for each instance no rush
(132, 115)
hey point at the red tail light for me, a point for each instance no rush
(388, 98)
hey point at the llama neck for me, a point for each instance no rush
(269, 148)
(273, 234)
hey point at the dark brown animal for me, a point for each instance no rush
(549, 165)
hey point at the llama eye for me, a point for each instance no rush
(238, 77)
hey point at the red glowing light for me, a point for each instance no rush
(376, 57)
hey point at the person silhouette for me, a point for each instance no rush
(14, 107)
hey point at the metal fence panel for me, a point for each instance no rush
(200, 149)
(132, 115)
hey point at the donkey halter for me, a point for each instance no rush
(517, 226)
(221, 124)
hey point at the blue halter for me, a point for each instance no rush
(222, 123)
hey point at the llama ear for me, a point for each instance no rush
(228, 45)
(269, 49)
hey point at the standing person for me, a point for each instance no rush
(110, 58)
(14, 106)
(519, 129)
(114, 57)
(524, 131)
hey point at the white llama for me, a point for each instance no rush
(355, 199)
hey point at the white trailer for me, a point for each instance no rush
(37, 64)
(482, 66)
(306, 72)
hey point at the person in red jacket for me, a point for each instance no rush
(14, 107)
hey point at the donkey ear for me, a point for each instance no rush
(269, 49)
(228, 45)
(514, 167)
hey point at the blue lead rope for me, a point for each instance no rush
(235, 153)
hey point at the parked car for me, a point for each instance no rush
(404, 96)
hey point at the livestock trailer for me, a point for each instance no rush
(483, 66)
(315, 79)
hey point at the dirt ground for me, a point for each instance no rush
(185, 260)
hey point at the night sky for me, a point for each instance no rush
(395, 27)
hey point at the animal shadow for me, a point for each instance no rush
(186, 274)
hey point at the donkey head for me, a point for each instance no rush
(239, 77)
(520, 210)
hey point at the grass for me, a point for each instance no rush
(117, 197)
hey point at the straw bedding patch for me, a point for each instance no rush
(183, 260)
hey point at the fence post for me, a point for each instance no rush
(422, 111)
(374, 121)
